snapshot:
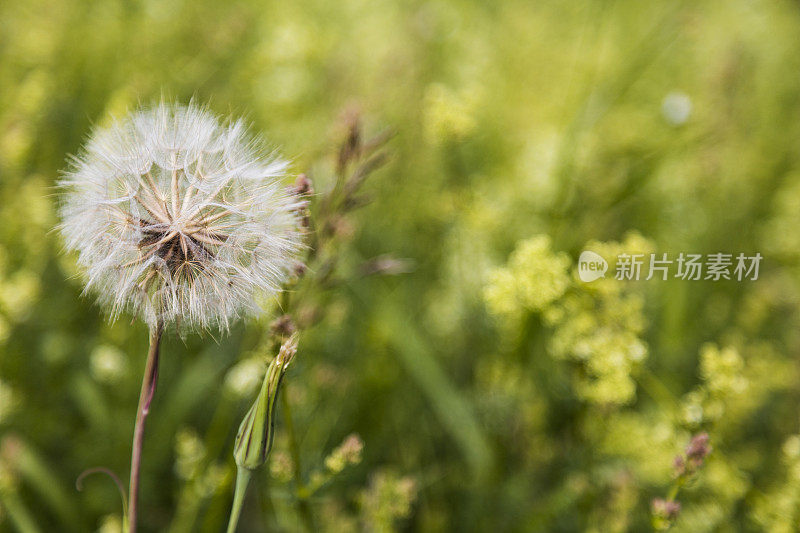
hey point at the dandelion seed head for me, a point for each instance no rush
(179, 217)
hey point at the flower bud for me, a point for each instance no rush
(303, 186)
(283, 326)
(665, 512)
(257, 430)
(699, 446)
(697, 450)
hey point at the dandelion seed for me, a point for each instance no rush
(179, 217)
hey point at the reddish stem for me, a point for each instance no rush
(149, 381)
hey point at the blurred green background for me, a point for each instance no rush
(491, 394)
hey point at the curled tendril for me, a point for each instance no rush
(110, 473)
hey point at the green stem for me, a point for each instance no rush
(676, 487)
(242, 480)
(303, 508)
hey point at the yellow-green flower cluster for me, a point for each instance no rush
(388, 499)
(449, 114)
(600, 332)
(723, 374)
(722, 370)
(347, 453)
(595, 325)
(534, 278)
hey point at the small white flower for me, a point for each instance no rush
(676, 108)
(179, 217)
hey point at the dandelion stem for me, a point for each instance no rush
(149, 381)
(242, 480)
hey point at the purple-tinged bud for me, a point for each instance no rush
(698, 447)
(299, 270)
(667, 509)
(303, 186)
(664, 513)
(283, 326)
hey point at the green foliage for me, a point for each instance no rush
(492, 390)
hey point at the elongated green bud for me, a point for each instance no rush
(257, 430)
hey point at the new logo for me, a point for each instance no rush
(591, 266)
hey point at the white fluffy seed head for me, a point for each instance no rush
(178, 217)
